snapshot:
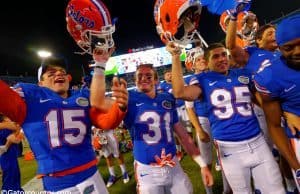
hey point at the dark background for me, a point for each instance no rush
(27, 26)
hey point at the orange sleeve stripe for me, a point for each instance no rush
(11, 104)
(107, 120)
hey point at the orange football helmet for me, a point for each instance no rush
(224, 20)
(89, 24)
(177, 20)
(247, 25)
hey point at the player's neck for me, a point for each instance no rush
(151, 94)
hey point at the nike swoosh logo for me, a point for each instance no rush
(290, 88)
(142, 175)
(261, 55)
(212, 83)
(44, 100)
(139, 104)
(227, 155)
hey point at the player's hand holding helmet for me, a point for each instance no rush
(247, 25)
(90, 25)
(173, 48)
(241, 5)
(177, 20)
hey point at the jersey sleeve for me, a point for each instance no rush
(11, 104)
(264, 84)
(107, 120)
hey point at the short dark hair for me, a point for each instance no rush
(167, 70)
(212, 47)
(51, 62)
(261, 30)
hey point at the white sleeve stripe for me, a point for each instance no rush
(263, 90)
(19, 91)
(192, 82)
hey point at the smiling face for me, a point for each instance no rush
(55, 78)
(291, 52)
(146, 79)
(200, 64)
(218, 60)
(266, 40)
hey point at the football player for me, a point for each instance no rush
(278, 84)
(255, 58)
(235, 129)
(58, 122)
(152, 119)
(166, 86)
(197, 112)
(107, 144)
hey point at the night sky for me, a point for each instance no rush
(28, 26)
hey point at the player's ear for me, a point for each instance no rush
(69, 77)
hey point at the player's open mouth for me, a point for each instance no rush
(59, 81)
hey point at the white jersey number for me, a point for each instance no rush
(226, 103)
(70, 129)
(153, 120)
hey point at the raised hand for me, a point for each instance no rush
(173, 48)
(241, 5)
(119, 92)
(101, 56)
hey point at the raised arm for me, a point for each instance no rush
(178, 88)
(11, 104)
(239, 55)
(98, 85)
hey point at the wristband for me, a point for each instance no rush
(98, 71)
(99, 68)
(99, 65)
(199, 160)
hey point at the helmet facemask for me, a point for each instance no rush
(249, 27)
(187, 27)
(177, 21)
(97, 39)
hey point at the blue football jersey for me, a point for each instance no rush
(283, 83)
(58, 129)
(11, 180)
(258, 58)
(228, 100)
(167, 87)
(150, 123)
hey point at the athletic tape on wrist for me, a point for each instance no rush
(199, 160)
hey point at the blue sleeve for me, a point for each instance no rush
(265, 84)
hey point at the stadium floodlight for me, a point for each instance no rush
(44, 54)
